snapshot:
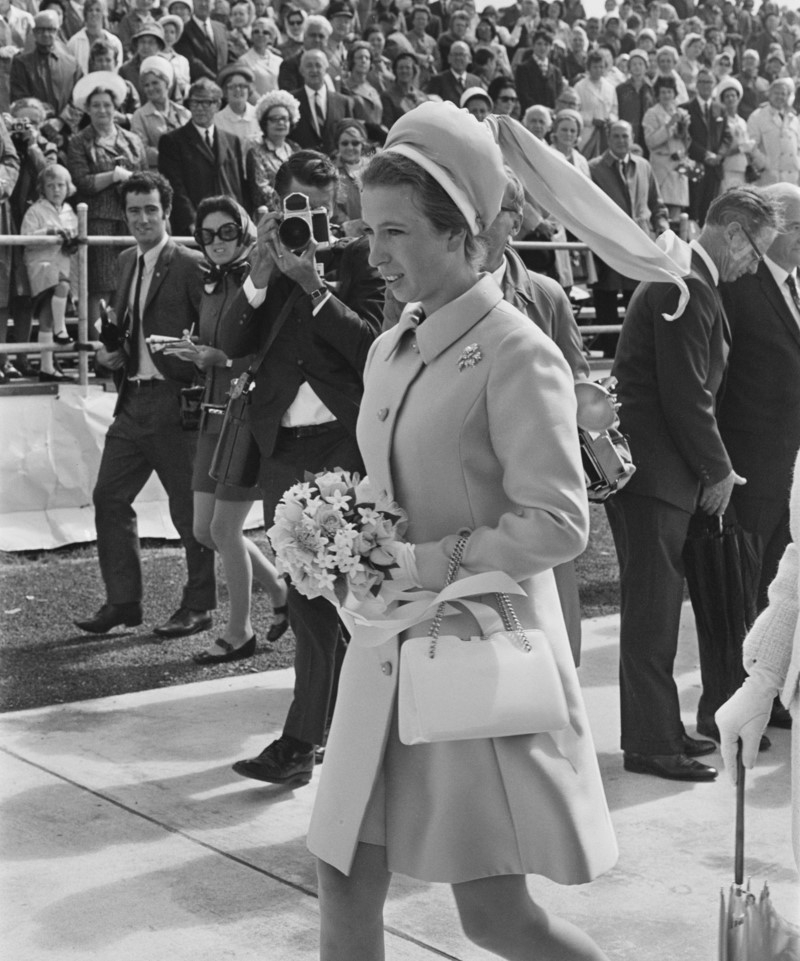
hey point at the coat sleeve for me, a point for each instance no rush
(682, 361)
(170, 164)
(541, 467)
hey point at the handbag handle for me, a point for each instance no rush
(738, 863)
(510, 620)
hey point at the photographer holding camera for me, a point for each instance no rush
(303, 410)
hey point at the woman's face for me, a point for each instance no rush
(362, 61)
(666, 95)
(404, 70)
(294, 26)
(240, 14)
(351, 146)
(730, 100)
(170, 33)
(506, 101)
(596, 70)
(665, 64)
(479, 108)
(55, 189)
(483, 32)
(104, 61)
(237, 90)
(695, 48)
(277, 124)
(101, 109)
(155, 87)
(219, 251)
(94, 15)
(377, 42)
(409, 253)
(181, 10)
(565, 133)
(147, 47)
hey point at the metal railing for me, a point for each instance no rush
(86, 344)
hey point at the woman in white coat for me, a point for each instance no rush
(772, 660)
(468, 421)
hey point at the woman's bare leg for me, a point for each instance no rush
(499, 915)
(351, 907)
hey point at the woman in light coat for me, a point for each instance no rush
(479, 814)
(772, 659)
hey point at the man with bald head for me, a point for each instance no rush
(759, 417)
(321, 109)
(451, 83)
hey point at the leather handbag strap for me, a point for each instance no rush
(738, 863)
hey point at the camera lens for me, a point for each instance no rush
(295, 232)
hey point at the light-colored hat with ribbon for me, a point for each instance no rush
(99, 80)
(461, 155)
(728, 83)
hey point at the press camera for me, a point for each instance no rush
(302, 222)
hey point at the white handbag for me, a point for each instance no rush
(453, 689)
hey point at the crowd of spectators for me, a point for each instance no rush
(709, 89)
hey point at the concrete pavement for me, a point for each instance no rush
(125, 835)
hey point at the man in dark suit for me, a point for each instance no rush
(159, 292)
(320, 108)
(669, 373)
(200, 161)
(628, 180)
(47, 73)
(759, 417)
(204, 42)
(316, 32)
(450, 84)
(710, 141)
(303, 417)
(538, 80)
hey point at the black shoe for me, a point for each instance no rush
(232, 653)
(57, 377)
(780, 717)
(280, 763)
(63, 340)
(10, 371)
(710, 729)
(112, 615)
(278, 628)
(692, 747)
(674, 767)
(184, 622)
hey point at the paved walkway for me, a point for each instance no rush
(125, 835)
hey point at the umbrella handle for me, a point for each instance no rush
(738, 866)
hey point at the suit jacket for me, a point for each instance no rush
(338, 107)
(444, 85)
(759, 416)
(535, 87)
(25, 81)
(196, 172)
(713, 136)
(205, 59)
(327, 350)
(669, 375)
(172, 306)
(517, 484)
(639, 197)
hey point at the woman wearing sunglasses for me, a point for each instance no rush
(226, 235)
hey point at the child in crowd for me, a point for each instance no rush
(49, 267)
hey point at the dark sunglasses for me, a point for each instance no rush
(351, 143)
(226, 232)
(508, 99)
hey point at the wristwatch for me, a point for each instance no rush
(318, 295)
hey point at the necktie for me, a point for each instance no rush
(624, 178)
(209, 142)
(133, 363)
(319, 116)
(209, 32)
(791, 283)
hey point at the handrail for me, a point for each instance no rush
(86, 240)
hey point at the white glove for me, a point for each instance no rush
(405, 575)
(745, 715)
(121, 174)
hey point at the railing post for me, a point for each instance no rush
(83, 297)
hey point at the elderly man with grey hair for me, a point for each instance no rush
(775, 129)
(321, 109)
(316, 33)
(450, 84)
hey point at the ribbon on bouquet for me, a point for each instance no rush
(370, 628)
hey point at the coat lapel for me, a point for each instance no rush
(160, 273)
(770, 288)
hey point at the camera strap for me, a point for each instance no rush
(249, 375)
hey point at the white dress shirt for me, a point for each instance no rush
(147, 369)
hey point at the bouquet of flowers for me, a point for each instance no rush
(333, 535)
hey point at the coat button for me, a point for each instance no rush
(387, 668)
(383, 413)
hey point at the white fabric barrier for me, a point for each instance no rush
(50, 448)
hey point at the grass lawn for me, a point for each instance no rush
(45, 659)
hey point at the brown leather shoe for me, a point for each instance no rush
(673, 767)
(184, 622)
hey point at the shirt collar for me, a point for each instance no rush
(201, 23)
(152, 255)
(705, 256)
(323, 94)
(499, 274)
(202, 132)
(446, 325)
(778, 272)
